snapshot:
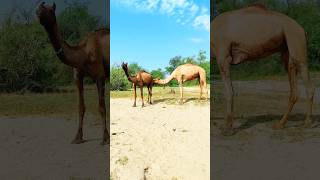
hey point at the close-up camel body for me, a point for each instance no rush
(141, 79)
(187, 72)
(252, 33)
(90, 57)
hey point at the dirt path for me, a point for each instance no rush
(35, 148)
(257, 151)
(159, 141)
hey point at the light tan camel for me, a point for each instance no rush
(141, 79)
(90, 57)
(254, 32)
(187, 72)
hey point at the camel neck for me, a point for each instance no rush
(65, 53)
(130, 78)
(55, 37)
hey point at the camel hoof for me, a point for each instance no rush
(134, 105)
(78, 141)
(306, 125)
(228, 132)
(277, 126)
(104, 142)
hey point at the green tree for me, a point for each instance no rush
(158, 73)
(134, 68)
(118, 80)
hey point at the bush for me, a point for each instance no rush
(118, 80)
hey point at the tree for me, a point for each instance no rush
(158, 73)
(118, 80)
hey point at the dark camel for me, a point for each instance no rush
(141, 79)
(90, 57)
(187, 72)
(255, 32)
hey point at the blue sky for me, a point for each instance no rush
(150, 32)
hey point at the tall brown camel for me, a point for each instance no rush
(90, 57)
(141, 79)
(255, 32)
(187, 72)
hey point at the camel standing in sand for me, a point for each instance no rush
(187, 72)
(141, 79)
(89, 57)
(254, 32)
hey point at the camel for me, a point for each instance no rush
(142, 78)
(254, 32)
(90, 57)
(187, 72)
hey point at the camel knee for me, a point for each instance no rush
(293, 99)
(102, 109)
(82, 110)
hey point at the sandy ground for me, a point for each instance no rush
(257, 151)
(35, 148)
(159, 141)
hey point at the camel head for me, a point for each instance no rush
(156, 80)
(46, 14)
(125, 66)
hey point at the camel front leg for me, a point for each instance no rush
(141, 92)
(150, 94)
(310, 93)
(79, 136)
(292, 73)
(224, 67)
(102, 110)
(181, 92)
(134, 94)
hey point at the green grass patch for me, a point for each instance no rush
(48, 103)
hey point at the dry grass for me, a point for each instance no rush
(169, 95)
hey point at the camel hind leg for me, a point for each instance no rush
(203, 85)
(141, 92)
(293, 97)
(309, 92)
(297, 46)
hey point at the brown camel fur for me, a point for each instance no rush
(90, 57)
(141, 79)
(252, 33)
(187, 72)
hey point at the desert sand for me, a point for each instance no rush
(159, 141)
(37, 148)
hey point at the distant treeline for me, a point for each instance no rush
(119, 80)
(27, 59)
(306, 13)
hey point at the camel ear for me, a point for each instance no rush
(54, 6)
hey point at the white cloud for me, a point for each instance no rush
(202, 21)
(196, 40)
(183, 11)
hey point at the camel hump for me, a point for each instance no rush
(257, 5)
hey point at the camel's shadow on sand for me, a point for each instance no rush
(176, 100)
(294, 121)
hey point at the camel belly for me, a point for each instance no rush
(258, 48)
